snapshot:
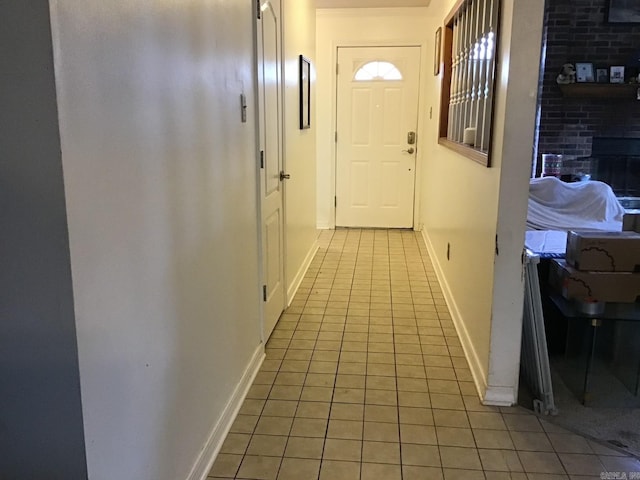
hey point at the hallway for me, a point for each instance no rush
(365, 378)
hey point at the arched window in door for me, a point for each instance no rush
(377, 71)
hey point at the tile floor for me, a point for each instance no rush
(365, 379)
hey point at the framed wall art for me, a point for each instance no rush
(305, 93)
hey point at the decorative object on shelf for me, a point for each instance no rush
(602, 75)
(567, 74)
(436, 51)
(305, 93)
(616, 74)
(623, 11)
(584, 73)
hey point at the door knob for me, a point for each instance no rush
(284, 176)
(411, 150)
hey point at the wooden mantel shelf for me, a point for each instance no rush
(627, 91)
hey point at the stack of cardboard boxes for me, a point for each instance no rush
(599, 267)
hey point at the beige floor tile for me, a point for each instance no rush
(540, 462)
(569, 443)
(235, 443)
(338, 449)
(351, 381)
(347, 411)
(337, 470)
(244, 424)
(450, 418)
(267, 445)
(349, 395)
(459, 474)
(309, 427)
(500, 460)
(349, 368)
(273, 425)
(455, 437)
(316, 394)
(285, 392)
(381, 452)
(416, 416)
(381, 369)
(301, 447)
(381, 397)
(414, 399)
(313, 410)
(299, 469)
(377, 471)
(410, 472)
(459, 457)
(499, 439)
(280, 408)
(486, 420)
(531, 441)
(450, 387)
(381, 432)
(381, 413)
(412, 385)
(226, 465)
(345, 429)
(420, 455)
(421, 434)
(522, 423)
(259, 467)
(252, 407)
(446, 401)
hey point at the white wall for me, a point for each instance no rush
(466, 205)
(300, 145)
(160, 180)
(359, 27)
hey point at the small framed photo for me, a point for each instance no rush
(584, 72)
(616, 74)
(602, 75)
(436, 51)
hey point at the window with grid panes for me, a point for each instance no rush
(469, 73)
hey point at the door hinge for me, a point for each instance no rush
(335, 201)
(261, 158)
(264, 293)
(258, 10)
(335, 136)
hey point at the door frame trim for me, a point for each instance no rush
(258, 132)
(335, 45)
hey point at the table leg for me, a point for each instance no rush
(595, 323)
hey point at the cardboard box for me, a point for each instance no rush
(572, 284)
(631, 222)
(604, 251)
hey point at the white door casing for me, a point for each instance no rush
(270, 137)
(375, 164)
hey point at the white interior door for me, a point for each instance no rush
(377, 108)
(270, 126)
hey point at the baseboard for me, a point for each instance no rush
(302, 271)
(324, 226)
(219, 432)
(499, 396)
(477, 370)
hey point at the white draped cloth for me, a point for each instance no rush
(557, 205)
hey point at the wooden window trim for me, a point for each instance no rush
(445, 90)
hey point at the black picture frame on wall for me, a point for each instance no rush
(305, 93)
(623, 12)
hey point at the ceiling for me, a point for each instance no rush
(370, 3)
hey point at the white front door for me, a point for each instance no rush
(270, 128)
(377, 113)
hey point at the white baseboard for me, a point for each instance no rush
(500, 396)
(477, 370)
(293, 287)
(219, 432)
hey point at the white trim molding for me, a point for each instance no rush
(219, 432)
(477, 370)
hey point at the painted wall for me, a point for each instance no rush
(360, 27)
(299, 145)
(41, 432)
(480, 212)
(160, 178)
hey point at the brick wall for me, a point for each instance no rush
(576, 31)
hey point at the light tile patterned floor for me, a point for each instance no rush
(365, 379)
